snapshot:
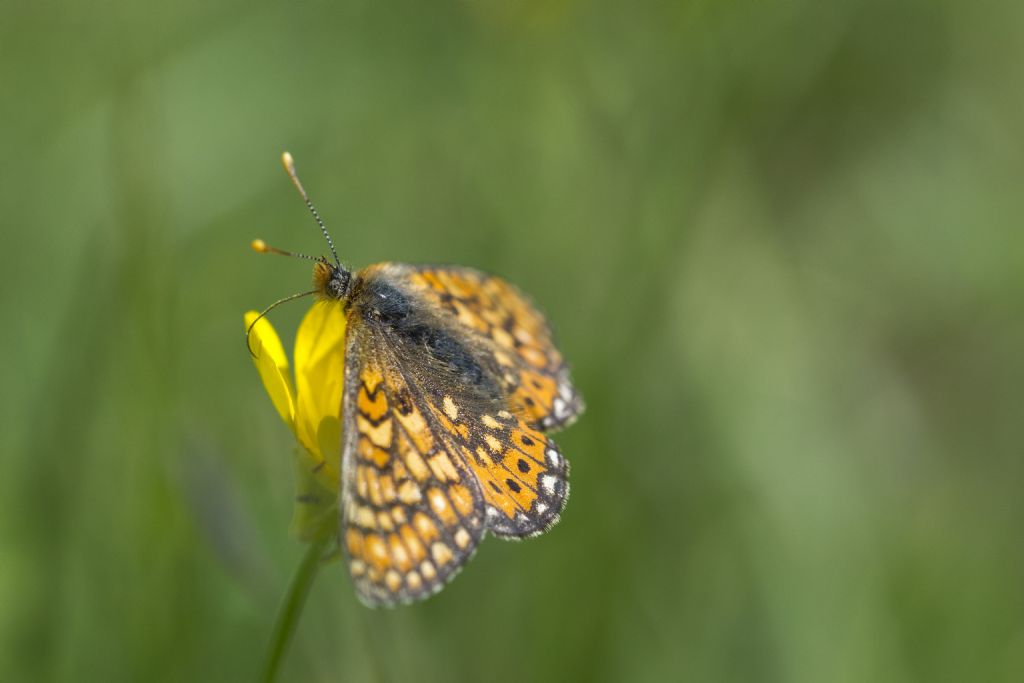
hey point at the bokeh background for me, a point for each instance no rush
(781, 245)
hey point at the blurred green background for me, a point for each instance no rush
(780, 242)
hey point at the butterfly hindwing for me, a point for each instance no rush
(522, 474)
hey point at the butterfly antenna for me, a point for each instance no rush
(289, 166)
(262, 247)
(268, 309)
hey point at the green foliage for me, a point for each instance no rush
(780, 244)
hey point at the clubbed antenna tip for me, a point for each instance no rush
(289, 165)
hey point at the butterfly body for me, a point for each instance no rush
(451, 381)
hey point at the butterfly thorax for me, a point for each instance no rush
(331, 281)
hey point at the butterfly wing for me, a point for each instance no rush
(412, 512)
(521, 473)
(462, 384)
(500, 317)
(433, 455)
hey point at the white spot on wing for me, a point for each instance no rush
(559, 407)
(554, 458)
(550, 482)
(450, 409)
(437, 501)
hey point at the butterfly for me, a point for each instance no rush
(452, 383)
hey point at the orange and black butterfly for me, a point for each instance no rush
(452, 382)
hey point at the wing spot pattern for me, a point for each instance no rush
(441, 553)
(517, 335)
(439, 504)
(365, 517)
(409, 493)
(416, 465)
(399, 553)
(387, 488)
(425, 527)
(442, 467)
(373, 484)
(462, 499)
(450, 409)
(377, 551)
(493, 443)
(413, 543)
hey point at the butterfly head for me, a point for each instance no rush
(332, 281)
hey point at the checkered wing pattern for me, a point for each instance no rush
(412, 512)
(516, 334)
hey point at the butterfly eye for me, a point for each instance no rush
(338, 285)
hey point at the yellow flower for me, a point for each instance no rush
(311, 404)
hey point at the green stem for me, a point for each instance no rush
(291, 608)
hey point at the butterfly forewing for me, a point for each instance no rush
(411, 511)
(533, 373)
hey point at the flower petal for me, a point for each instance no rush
(272, 364)
(320, 378)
